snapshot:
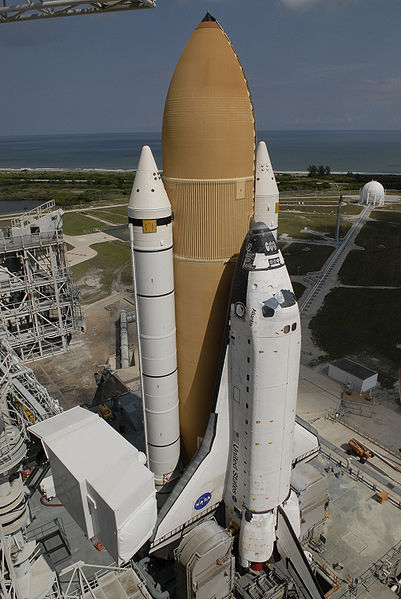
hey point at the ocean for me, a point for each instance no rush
(357, 151)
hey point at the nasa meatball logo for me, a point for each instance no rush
(202, 501)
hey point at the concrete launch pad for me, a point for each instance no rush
(359, 530)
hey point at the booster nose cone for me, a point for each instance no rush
(266, 190)
(265, 180)
(148, 194)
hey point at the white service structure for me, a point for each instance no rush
(101, 480)
(266, 190)
(263, 355)
(372, 193)
(356, 376)
(150, 224)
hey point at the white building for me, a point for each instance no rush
(358, 377)
(372, 193)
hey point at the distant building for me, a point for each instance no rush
(372, 193)
(357, 377)
(39, 307)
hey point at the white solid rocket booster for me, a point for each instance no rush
(263, 354)
(266, 190)
(150, 216)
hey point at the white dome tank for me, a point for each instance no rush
(372, 193)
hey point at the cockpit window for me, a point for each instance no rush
(283, 299)
(289, 298)
(267, 311)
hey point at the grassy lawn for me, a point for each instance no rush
(121, 210)
(364, 325)
(393, 206)
(390, 217)
(107, 271)
(294, 225)
(301, 258)
(75, 223)
(306, 210)
(380, 261)
(298, 289)
(111, 215)
(352, 209)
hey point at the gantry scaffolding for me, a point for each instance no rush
(14, 11)
(24, 572)
(39, 307)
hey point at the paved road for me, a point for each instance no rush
(82, 250)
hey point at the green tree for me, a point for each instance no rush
(312, 170)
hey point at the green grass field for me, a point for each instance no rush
(351, 209)
(111, 215)
(380, 261)
(301, 258)
(98, 277)
(328, 210)
(387, 216)
(311, 210)
(364, 325)
(122, 210)
(393, 207)
(75, 223)
(294, 224)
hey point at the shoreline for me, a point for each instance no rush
(52, 169)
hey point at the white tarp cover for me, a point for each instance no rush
(101, 480)
(305, 444)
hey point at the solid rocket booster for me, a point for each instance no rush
(266, 190)
(263, 354)
(208, 144)
(149, 213)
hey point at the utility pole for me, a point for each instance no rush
(338, 219)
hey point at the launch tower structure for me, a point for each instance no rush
(39, 307)
(24, 573)
(14, 11)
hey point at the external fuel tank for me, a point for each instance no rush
(208, 146)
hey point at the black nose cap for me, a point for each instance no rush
(208, 17)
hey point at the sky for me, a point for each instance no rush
(310, 64)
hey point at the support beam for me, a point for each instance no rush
(12, 12)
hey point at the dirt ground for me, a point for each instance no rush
(70, 377)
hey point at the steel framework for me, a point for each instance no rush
(21, 392)
(23, 401)
(39, 307)
(12, 11)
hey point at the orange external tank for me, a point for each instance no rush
(208, 146)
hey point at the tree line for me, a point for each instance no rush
(318, 171)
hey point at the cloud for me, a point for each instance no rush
(334, 69)
(299, 3)
(305, 4)
(388, 85)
